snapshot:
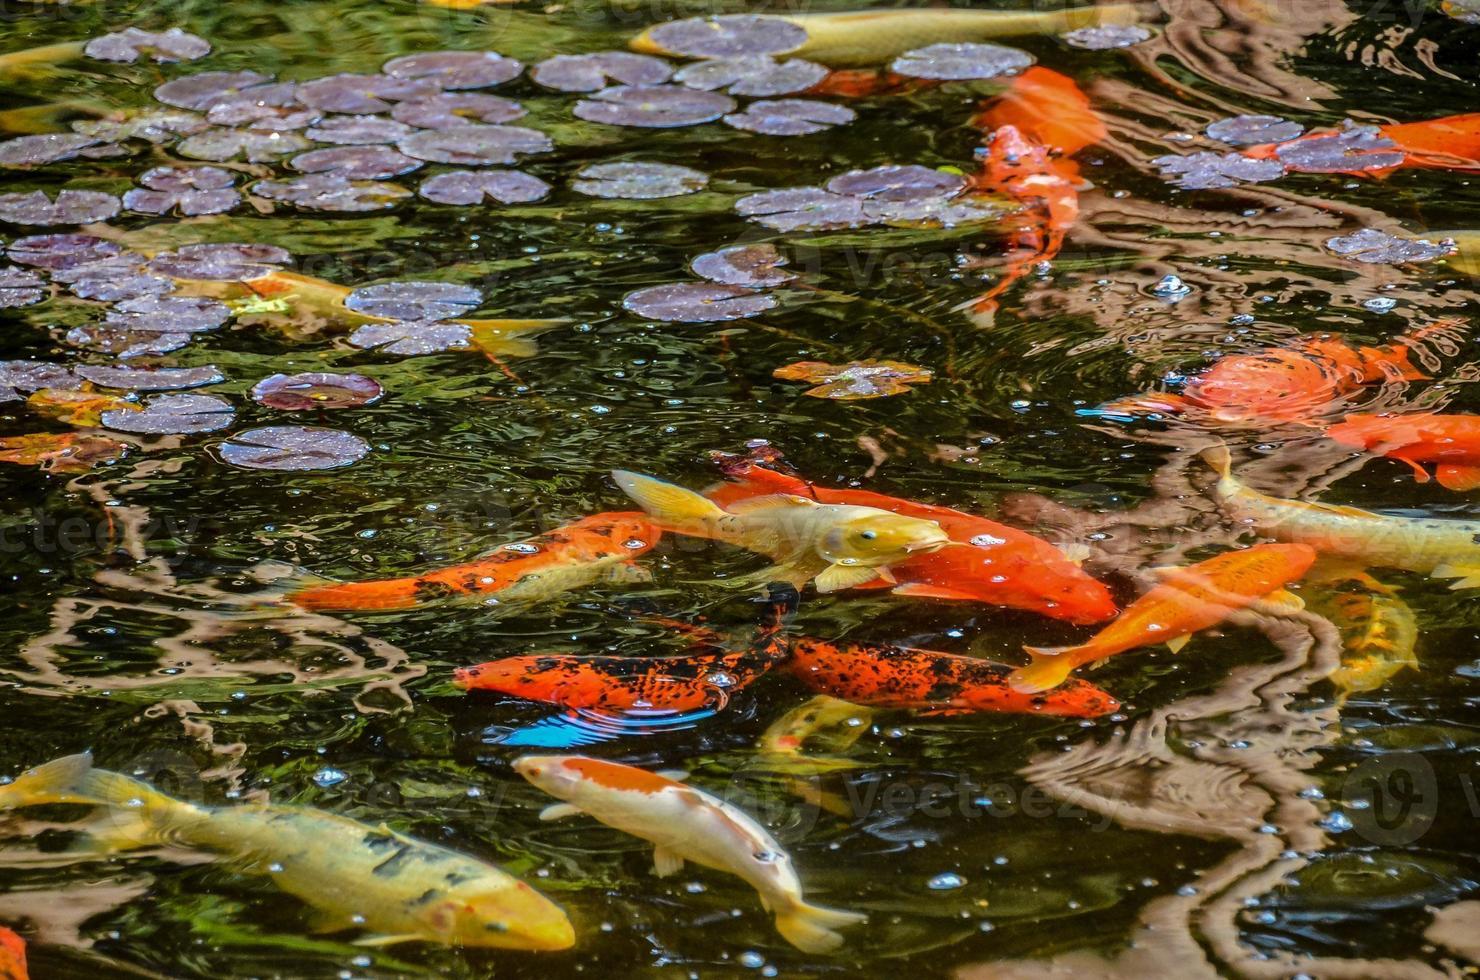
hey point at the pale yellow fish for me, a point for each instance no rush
(44, 60)
(838, 546)
(874, 37)
(1379, 637)
(358, 877)
(832, 722)
(687, 824)
(1441, 548)
(1466, 258)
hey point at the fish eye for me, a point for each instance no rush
(868, 535)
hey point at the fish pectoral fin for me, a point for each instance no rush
(837, 577)
(1176, 643)
(322, 922)
(666, 863)
(627, 573)
(1458, 478)
(377, 941)
(1075, 553)
(919, 590)
(666, 500)
(885, 574)
(1049, 669)
(677, 775)
(1285, 598)
(559, 811)
(1468, 574)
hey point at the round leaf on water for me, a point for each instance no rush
(252, 145)
(124, 343)
(455, 69)
(414, 300)
(355, 162)
(271, 108)
(114, 287)
(168, 314)
(1205, 171)
(961, 61)
(1253, 130)
(204, 89)
(1352, 149)
(743, 265)
(357, 130)
(190, 190)
(69, 208)
(855, 380)
(28, 376)
(1104, 37)
(315, 390)
(756, 75)
(803, 209)
(728, 36)
(412, 337)
(450, 110)
(790, 117)
(34, 151)
(475, 186)
(109, 267)
(157, 126)
(149, 379)
(222, 262)
(20, 287)
(174, 415)
(332, 192)
(653, 106)
(931, 212)
(1380, 248)
(165, 46)
(898, 182)
(361, 94)
(293, 447)
(475, 145)
(590, 72)
(697, 302)
(638, 181)
(62, 251)
(65, 452)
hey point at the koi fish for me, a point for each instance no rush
(1438, 548)
(1379, 635)
(836, 545)
(840, 722)
(1185, 601)
(1046, 191)
(888, 676)
(873, 37)
(1451, 441)
(1448, 143)
(687, 824)
(600, 548)
(397, 888)
(1046, 108)
(12, 956)
(999, 565)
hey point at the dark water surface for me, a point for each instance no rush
(1233, 806)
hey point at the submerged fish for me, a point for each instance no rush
(1451, 441)
(687, 824)
(992, 563)
(1184, 601)
(395, 887)
(1049, 109)
(833, 720)
(12, 956)
(1447, 143)
(594, 549)
(887, 676)
(1440, 548)
(1379, 637)
(836, 546)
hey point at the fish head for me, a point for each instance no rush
(550, 773)
(879, 538)
(503, 916)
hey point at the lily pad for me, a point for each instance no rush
(653, 106)
(73, 407)
(174, 415)
(168, 314)
(293, 447)
(728, 36)
(272, 108)
(255, 146)
(112, 287)
(473, 187)
(412, 337)
(1206, 171)
(1380, 248)
(1355, 148)
(414, 300)
(332, 192)
(756, 75)
(790, 117)
(448, 111)
(164, 47)
(62, 251)
(638, 181)
(1253, 130)
(855, 380)
(455, 69)
(697, 302)
(222, 262)
(961, 61)
(124, 343)
(64, 452)
(188, 190)
(803, 209)
(355, 162)
(475, 145)
(931, 212)
(20, 287)
(69, 208)
(110, 266)
(357, 130)
(315, 390)
(590, 72)
(898, 182)
(29, 376)
(743, 265)
(1105, 37)
(150, 379)
(35, 151)
(204, 89)
(156, 127)
(361, 94)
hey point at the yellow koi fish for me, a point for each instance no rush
(838, 545)
(1440, 548)
(356, 876)
(873, 37)
(686, 824)
(1379, 634)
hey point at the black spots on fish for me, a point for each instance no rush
(428, 590)
(473, 582)
(427, 897)
(1475, 539)
(454, 878)
(392, 865)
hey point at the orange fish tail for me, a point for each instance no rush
(1049, 669)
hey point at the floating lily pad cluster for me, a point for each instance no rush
(905, 195)
(1352, 149)
(1375, 247)
(856, 380)
(737, 277)
(414, 316)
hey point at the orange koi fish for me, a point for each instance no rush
(1003, 566)
(594, 549)
(887, 676)
(1187, 600)
(1451, 441)
(1048, 109)
(865, 83)
(12, 956)
(1448, 143)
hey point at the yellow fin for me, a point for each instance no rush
(1075, 552)
(1219, 459)
(1176, 643)
(55, 782)
(666, 862)
(377, 941)
(1467, 573)
(666, 500)
(810, 928)
(768, 502)
(837, 577)
(1049, 669)
(559, 811)
(1284, 597)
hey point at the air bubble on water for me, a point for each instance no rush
(1337, 822)
(329, 776)
(1186, 891)
(522, 547)
(634, 543)
(721, 679)
(1311, 793)
(275, 868)
(1171, 287)
(752, 959)
(1380, 304)
(694, 888)
(945, 881)
(361, 961)
(474, 792)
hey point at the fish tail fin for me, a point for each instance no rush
(1219, 459)
(137, 814)
(316, 592)
(812, 929)
(667, 501)
(1049, 669)
(55, 782)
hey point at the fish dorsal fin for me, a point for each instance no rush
(771, 500)
(677, 775)
(559, 811)
(836, 577)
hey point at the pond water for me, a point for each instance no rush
(1238, 814)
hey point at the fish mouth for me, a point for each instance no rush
(925, 547)
(551, 937)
